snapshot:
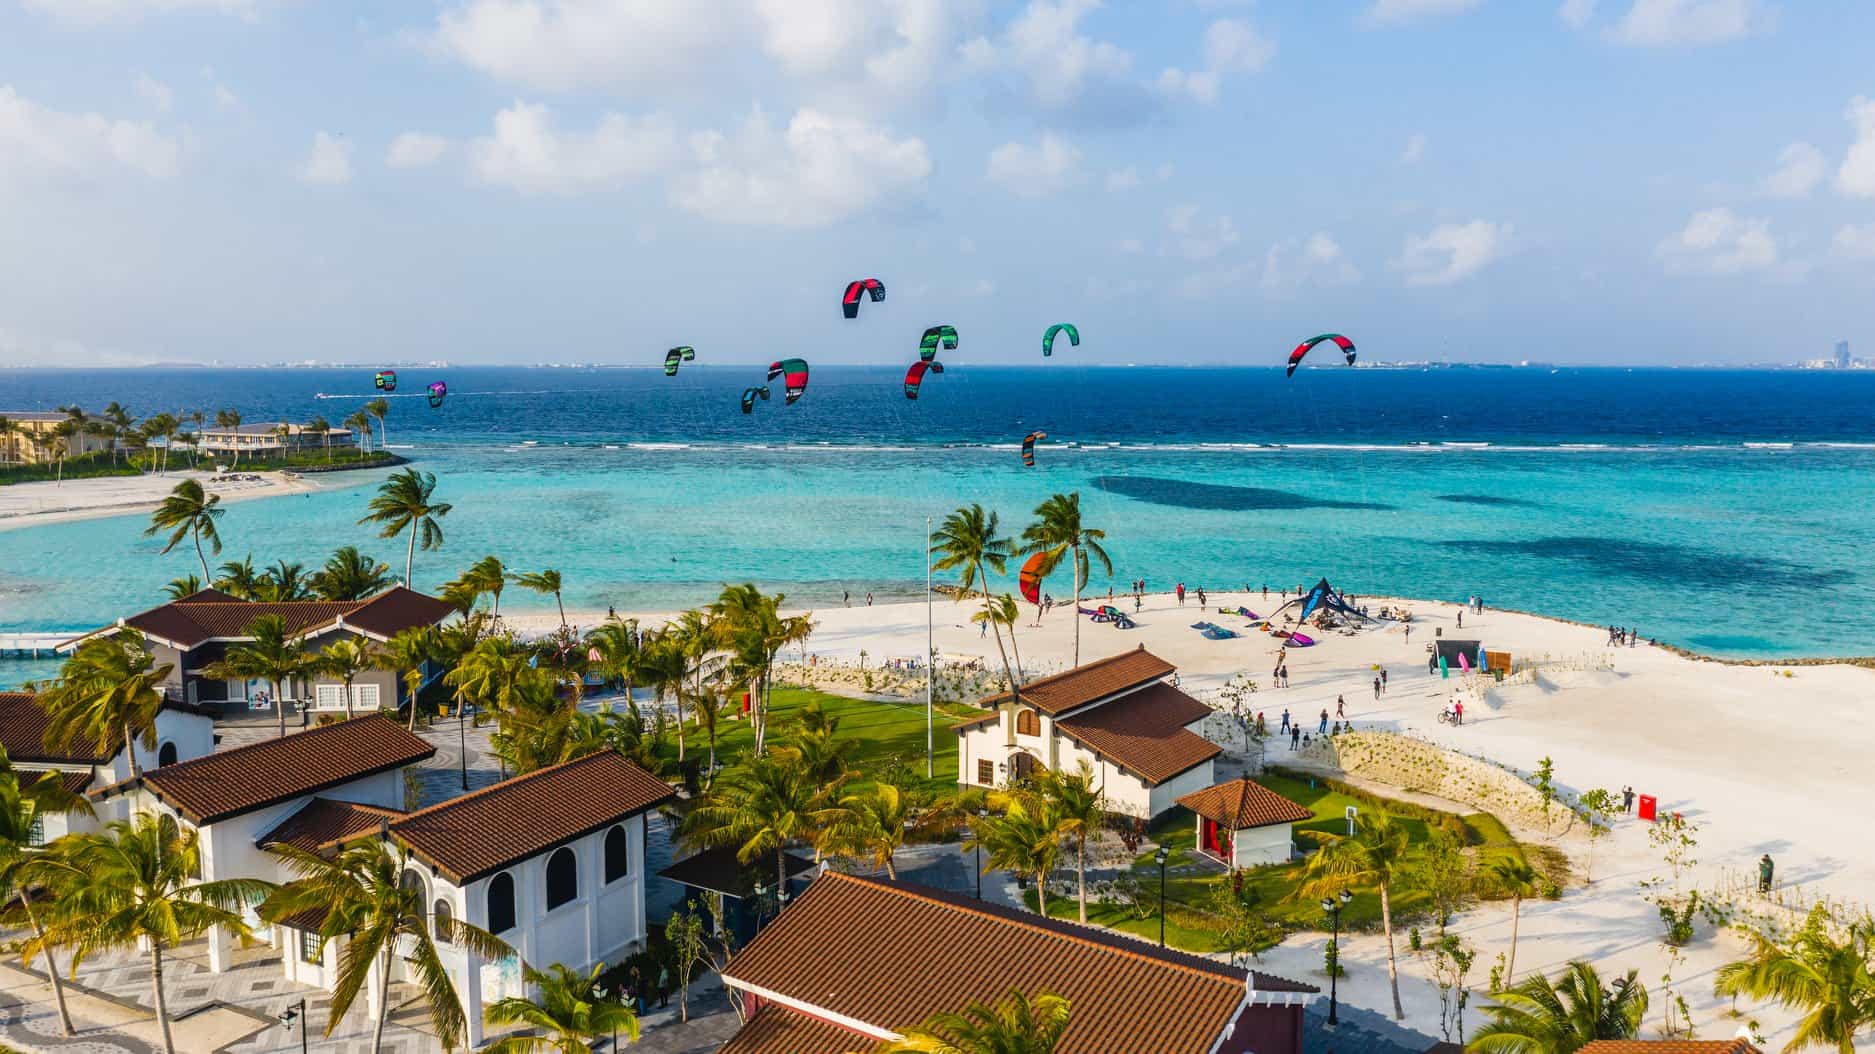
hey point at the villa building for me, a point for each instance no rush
(1737, 1045)
(1121, 715)
(32, 436)
(856, 961)
(195, 632)
(270, 439)
(182, 733)
(1242, 823)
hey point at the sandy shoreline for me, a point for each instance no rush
(37, 504)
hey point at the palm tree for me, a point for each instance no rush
(1375, 855)
(871, 825)
(187, 585)
(134, 884)
(7, 428)
(616, 641)
(1025, 839)
(1058, 532)
(189, 512)
(24, 804)
(818, 745)
(967, 542)
(345, 659)
(565, 1010)
(380, 409)
(490, 674)
(1000, 611)
(1518, 879)
(285, 581)
(324, 427)
(547, 581)
(360, 425)
(695, 638)
(230, 419)
(1018, 1024)
(239, 579)
(664, 669)
(485, 576)
(708, 706)
(759, 807)
(365, 900)
(74, 424)
(350, 575)
(407, 652)
(1541, 1017)
(109, 691)
(407, 501)
(1831, 979)
(272, 654)
(751, 626)
(1079, 808)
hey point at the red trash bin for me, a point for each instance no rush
(745, 710)
(1647, 807)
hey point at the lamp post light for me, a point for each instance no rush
(1159, 857)
(976, 849)
(1333, 906)
(462, 739)
(296, 1012)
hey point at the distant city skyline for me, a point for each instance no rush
(1197, 181)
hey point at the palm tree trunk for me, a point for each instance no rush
(410, 555)
(1077, 605)
(1081, 868)
(557, 602)
(890, 871)
(348, 698)
(1014, 647)
(279, 705)
(384, 999)
(130, 751)
(997, 630)
(52, 966)
(414, 683)
(1510, 964)
(1041, 893)
(680, 723)
(1393, 968)
(197, 531)
(156, 988)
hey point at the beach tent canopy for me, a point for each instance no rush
(1323, 596)
(1448, 649)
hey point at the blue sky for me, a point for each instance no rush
(1189, 181)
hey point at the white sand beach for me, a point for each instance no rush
(1765, 759)
(36, 504)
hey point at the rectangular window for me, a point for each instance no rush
(312, 948)
(37, 836)
(986, 773)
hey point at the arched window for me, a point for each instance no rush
(616, 855)
(562, 877)
(501, 903)
(441, 915)
(1027, 724)
(166, 754)
(413, 882)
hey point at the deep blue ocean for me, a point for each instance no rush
(1727, 511)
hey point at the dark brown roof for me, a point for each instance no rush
(210, 615)
(397, 609)
(775, 1029)
(208, 595)
(890, 954)
(1088, 682)
(1144, 732)
(1668, 1046)
(232, 782)
(73, 780)
(1241, 804)
(324, 823)
(23, 733)
(482, 832)
(718, 871)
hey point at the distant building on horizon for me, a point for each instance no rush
(1842, 355)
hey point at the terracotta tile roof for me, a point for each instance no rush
(890, 954)
(324, 823)
(1241, 804)
(776, 1029)
(211, 614)
(467, 837)
(718, 871)
(73, 780)
(231, 782)
(23, 733)
(1668, 1046)
(208, 595)
(397, 609)
(1088, 682)
(1144, 732)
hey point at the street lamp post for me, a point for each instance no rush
(462, 740)
(1333, 906)
(296, 1012)
(1160, 858)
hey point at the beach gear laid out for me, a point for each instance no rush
(1211, 631)
(1295, 357)
(1249, 614)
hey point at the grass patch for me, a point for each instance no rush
(101, 463)
(88, 466)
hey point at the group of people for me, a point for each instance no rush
(1197, 592)
(1619, 636)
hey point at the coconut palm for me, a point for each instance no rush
(490, 674)
(239, 578)
(1025, 839)
(346, 659)
(284, 581)
(617, 642)
(1079, 808)
(1375, 855)
(407, 501)
(380, 917)
(380, 409)
(565, 1010)
(271, 654)
(407, 653)
(7, 428)
(26, 799)
(350, 575)
(1544, 1017)
(707, 706)
(1828, 976)
(189, 512)
(109, 691)
(134, 885)
(547, 581)
(231, 420)
(695, 638)
(1019, 1024)
(1058, 532)
(1001, 612)
(816, 742)
(871, 825)
(1518, 879)
(751, 627)
(664, 669)
(360, 425)
(321, 427)
(760, 806)
(178, 588)
(485, 577)
(967, 542)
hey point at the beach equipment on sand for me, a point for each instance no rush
(1301, 640)
(857, 290)
(1295, 357)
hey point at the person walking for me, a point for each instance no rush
(1458, 710)
(1341, 708)
(1295, 737)
(1461, 620)
(1322, 729)
(1627, 799)
(1383, 680)
(1201, 596)
(1181, 594)
(1765, 870)
(846, 598)
(1409, 631)
(664, 986)
(1376, 687)
(1285, 725)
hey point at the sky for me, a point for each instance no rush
(1190, 181)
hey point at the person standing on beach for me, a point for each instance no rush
(1627, 799)
(1295, 737)
(1409, 631)
(868, 599)
(1458, 710)
(1200, 596)
(1181, 594)
(1285, 725)
(846, 598)
(1266, 591)
(1322, 729)
(1765, 869)
(1341, 708)
(1376, 688)
(1461, 620)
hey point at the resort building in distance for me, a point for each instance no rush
(37, 436)
(1121, 715)
(270, 438)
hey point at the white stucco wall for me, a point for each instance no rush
(1259, 846)
(1167, 794)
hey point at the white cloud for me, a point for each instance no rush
(1046, 168)
(1177, 85)
(154, 93)
(559, 45)
(1233, 45)
(1663, 23)
(1799, 169)
(415, 150)
(1576, 14)
(1391, 12)
(1316, 260)
(529, 153)
(980, 288)
(330, 163)
(1718, 241)
(1452, 252)
(36, 138)
(1856, 242)
(820, 169)
(226, 98)
(1415, 150)
(99, 12)
(1196, 236)
(1045, 44)
(1123, 179)
(1857, 174)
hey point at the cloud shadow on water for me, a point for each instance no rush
(1185, 494)
(1486, 499)
(1667, 564)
